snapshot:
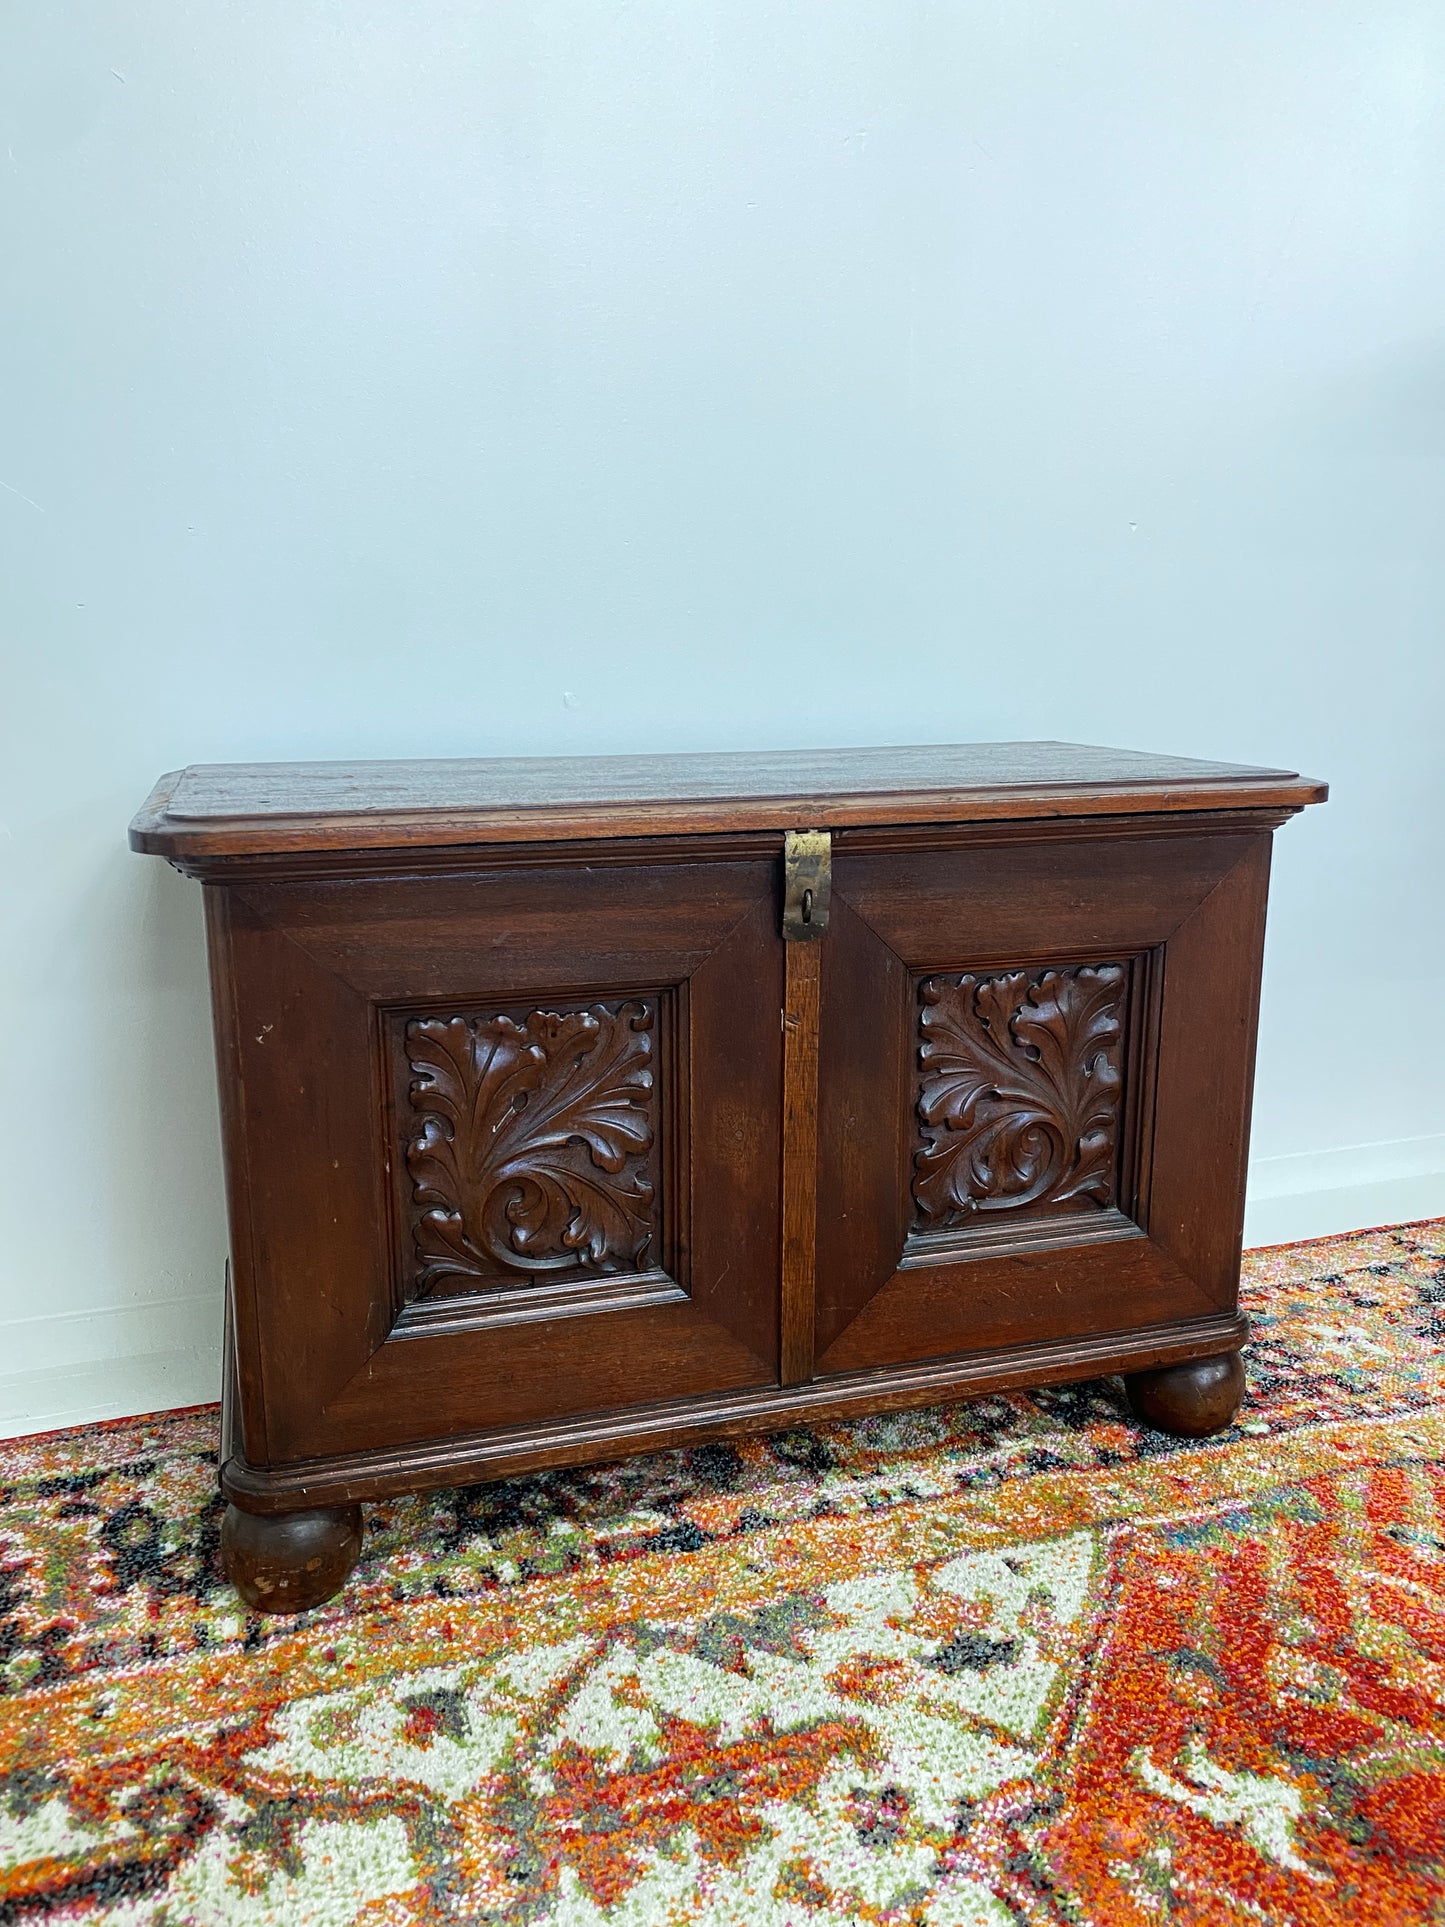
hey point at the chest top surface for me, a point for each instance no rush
(237, 809)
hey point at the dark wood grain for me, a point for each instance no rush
(419, 1385)
(313, 976)
(732, 1165)
(1022, 918)
(542, 1143)
(980, 1299)
(383, 1472)
(1009, 902)
(291, 1562)
(1205, 1079)
(234, 809)
(1191, 1400)
(800, 1159)
(301, 1104)
(715, 846)
(865, 1119)
(413, 939)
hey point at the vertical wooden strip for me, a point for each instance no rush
(800, 1158)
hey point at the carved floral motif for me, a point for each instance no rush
(1019, 1099)
(532, 1151)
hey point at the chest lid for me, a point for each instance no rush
(246, 809)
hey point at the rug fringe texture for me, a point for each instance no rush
(1008, 1663)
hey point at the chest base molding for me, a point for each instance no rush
(656, 1428)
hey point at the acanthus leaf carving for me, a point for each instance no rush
(1019, 1099)
(533, 1144)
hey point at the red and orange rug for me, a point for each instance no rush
(1017, 1661)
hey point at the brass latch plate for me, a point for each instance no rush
(807, 884)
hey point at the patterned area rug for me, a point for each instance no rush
(1015, 1661)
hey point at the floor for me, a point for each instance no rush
(1014, 1661)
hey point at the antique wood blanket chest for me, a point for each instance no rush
(572, 1108)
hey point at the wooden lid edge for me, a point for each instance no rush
(149, 827)
(153, 832)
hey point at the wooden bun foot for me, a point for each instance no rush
(289, 1561)
(1190, 1400)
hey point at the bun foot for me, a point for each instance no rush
(1190, 1400)
(287, 1562)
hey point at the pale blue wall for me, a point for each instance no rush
(404, 377)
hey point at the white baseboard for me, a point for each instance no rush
(69, 1368)
(1356, 1207)
(1321, 1194)
(106, 1388)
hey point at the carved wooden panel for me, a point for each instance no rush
(1019, 1093)
(531, 1146)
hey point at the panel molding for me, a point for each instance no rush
(888, 840)
(1006, 1237)
(475, 1311)
(464, 860)
(515, 1450)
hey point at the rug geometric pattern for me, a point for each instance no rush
(1018, 1660)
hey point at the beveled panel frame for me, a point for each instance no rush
(306, 974)
(1187, 913)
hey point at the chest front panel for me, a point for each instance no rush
(1034, 1079)
(507, 1145)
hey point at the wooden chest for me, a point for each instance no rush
(573, 1108)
